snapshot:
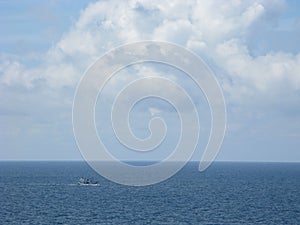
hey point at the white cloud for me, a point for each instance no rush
(263, 73)
(214, 29)
(209, 28)
(154, 111)
(195, 24)
(198, 25)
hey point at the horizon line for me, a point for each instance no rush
(79, 160)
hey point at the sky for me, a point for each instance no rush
(251, 46)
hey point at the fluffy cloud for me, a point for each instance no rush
(209, 28)
(262, 72)
(216, 30)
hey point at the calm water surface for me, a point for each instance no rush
(226, 193)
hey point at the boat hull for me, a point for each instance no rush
(81, 184)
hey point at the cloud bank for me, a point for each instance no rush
(218, 31)
(256, 82)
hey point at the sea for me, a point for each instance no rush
(226, 193)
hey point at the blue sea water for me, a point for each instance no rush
(226, 193)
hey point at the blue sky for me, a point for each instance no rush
(252, 46)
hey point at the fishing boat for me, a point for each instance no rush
(87, 182)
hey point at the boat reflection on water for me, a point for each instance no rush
(87, 182)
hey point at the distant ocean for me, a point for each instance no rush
(226, 193)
